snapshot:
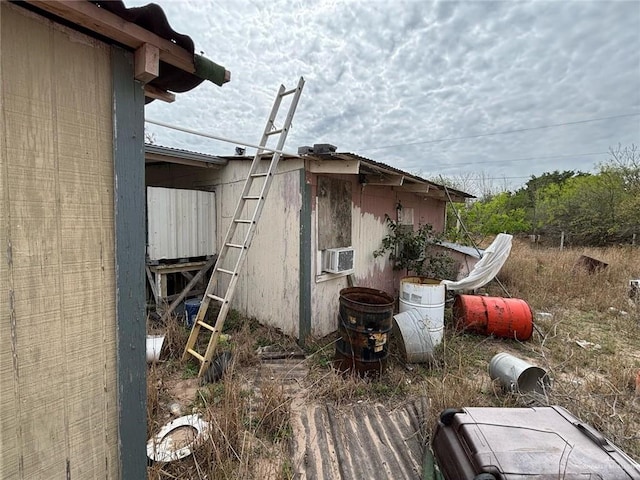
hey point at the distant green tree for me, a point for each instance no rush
(495, 216)
(592, 209)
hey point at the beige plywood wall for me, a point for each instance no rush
(58, 411)
(269, 283)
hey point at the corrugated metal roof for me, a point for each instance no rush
(384, 166)
(369, 166)
(356, 442)
(152, 18)
(182, 154)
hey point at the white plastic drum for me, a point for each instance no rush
(426, 295)
(419, 335)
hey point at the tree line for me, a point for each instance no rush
(593, 209)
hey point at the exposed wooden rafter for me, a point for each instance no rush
(157, 94)
(390, 180)
(414, 188)
(103, 22)
(147, 63)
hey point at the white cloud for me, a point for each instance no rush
(389, 73)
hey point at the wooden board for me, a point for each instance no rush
(334, 213)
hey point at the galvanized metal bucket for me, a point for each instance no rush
(517, 375)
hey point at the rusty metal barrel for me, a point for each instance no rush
(364, 325)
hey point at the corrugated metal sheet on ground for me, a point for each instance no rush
(356, 442)
(180, 223)
(471, 251)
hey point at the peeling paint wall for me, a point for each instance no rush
(370, 205)
(268, 287)
(58, 410)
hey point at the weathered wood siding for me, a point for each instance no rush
(58, 411)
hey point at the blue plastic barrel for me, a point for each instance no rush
(191, 308)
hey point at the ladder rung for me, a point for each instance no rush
(243, 220)
(288, 92)
(196, 354)
(206, 325)
(234, 245)
(252, 197)
(215, 297)
(260, 174)
(228, 272)
(274, 132)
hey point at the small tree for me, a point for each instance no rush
(410, 251)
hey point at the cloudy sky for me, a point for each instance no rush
(503, 90)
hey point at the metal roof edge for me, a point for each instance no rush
(183, 154)
(465, 249)
(383, 166)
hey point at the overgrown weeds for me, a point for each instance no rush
(249, 424)
(586, 337)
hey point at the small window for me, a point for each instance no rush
(405, 216)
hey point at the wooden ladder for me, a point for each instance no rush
(233, 251)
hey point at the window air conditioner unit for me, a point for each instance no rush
(338, 260)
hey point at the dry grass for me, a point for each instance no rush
(597, 383)
(249, 426)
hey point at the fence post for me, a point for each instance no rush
(562, 241)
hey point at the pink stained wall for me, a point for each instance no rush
(381, 200)
(370, 204)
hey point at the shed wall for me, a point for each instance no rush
(58, 410)
(269, 285)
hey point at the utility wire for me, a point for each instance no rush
(503, 132)
(528, 159)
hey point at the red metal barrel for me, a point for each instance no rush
(502, 317)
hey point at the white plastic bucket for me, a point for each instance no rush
(419, 335)
(426, 295)
(517, 375)
(154, 345)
